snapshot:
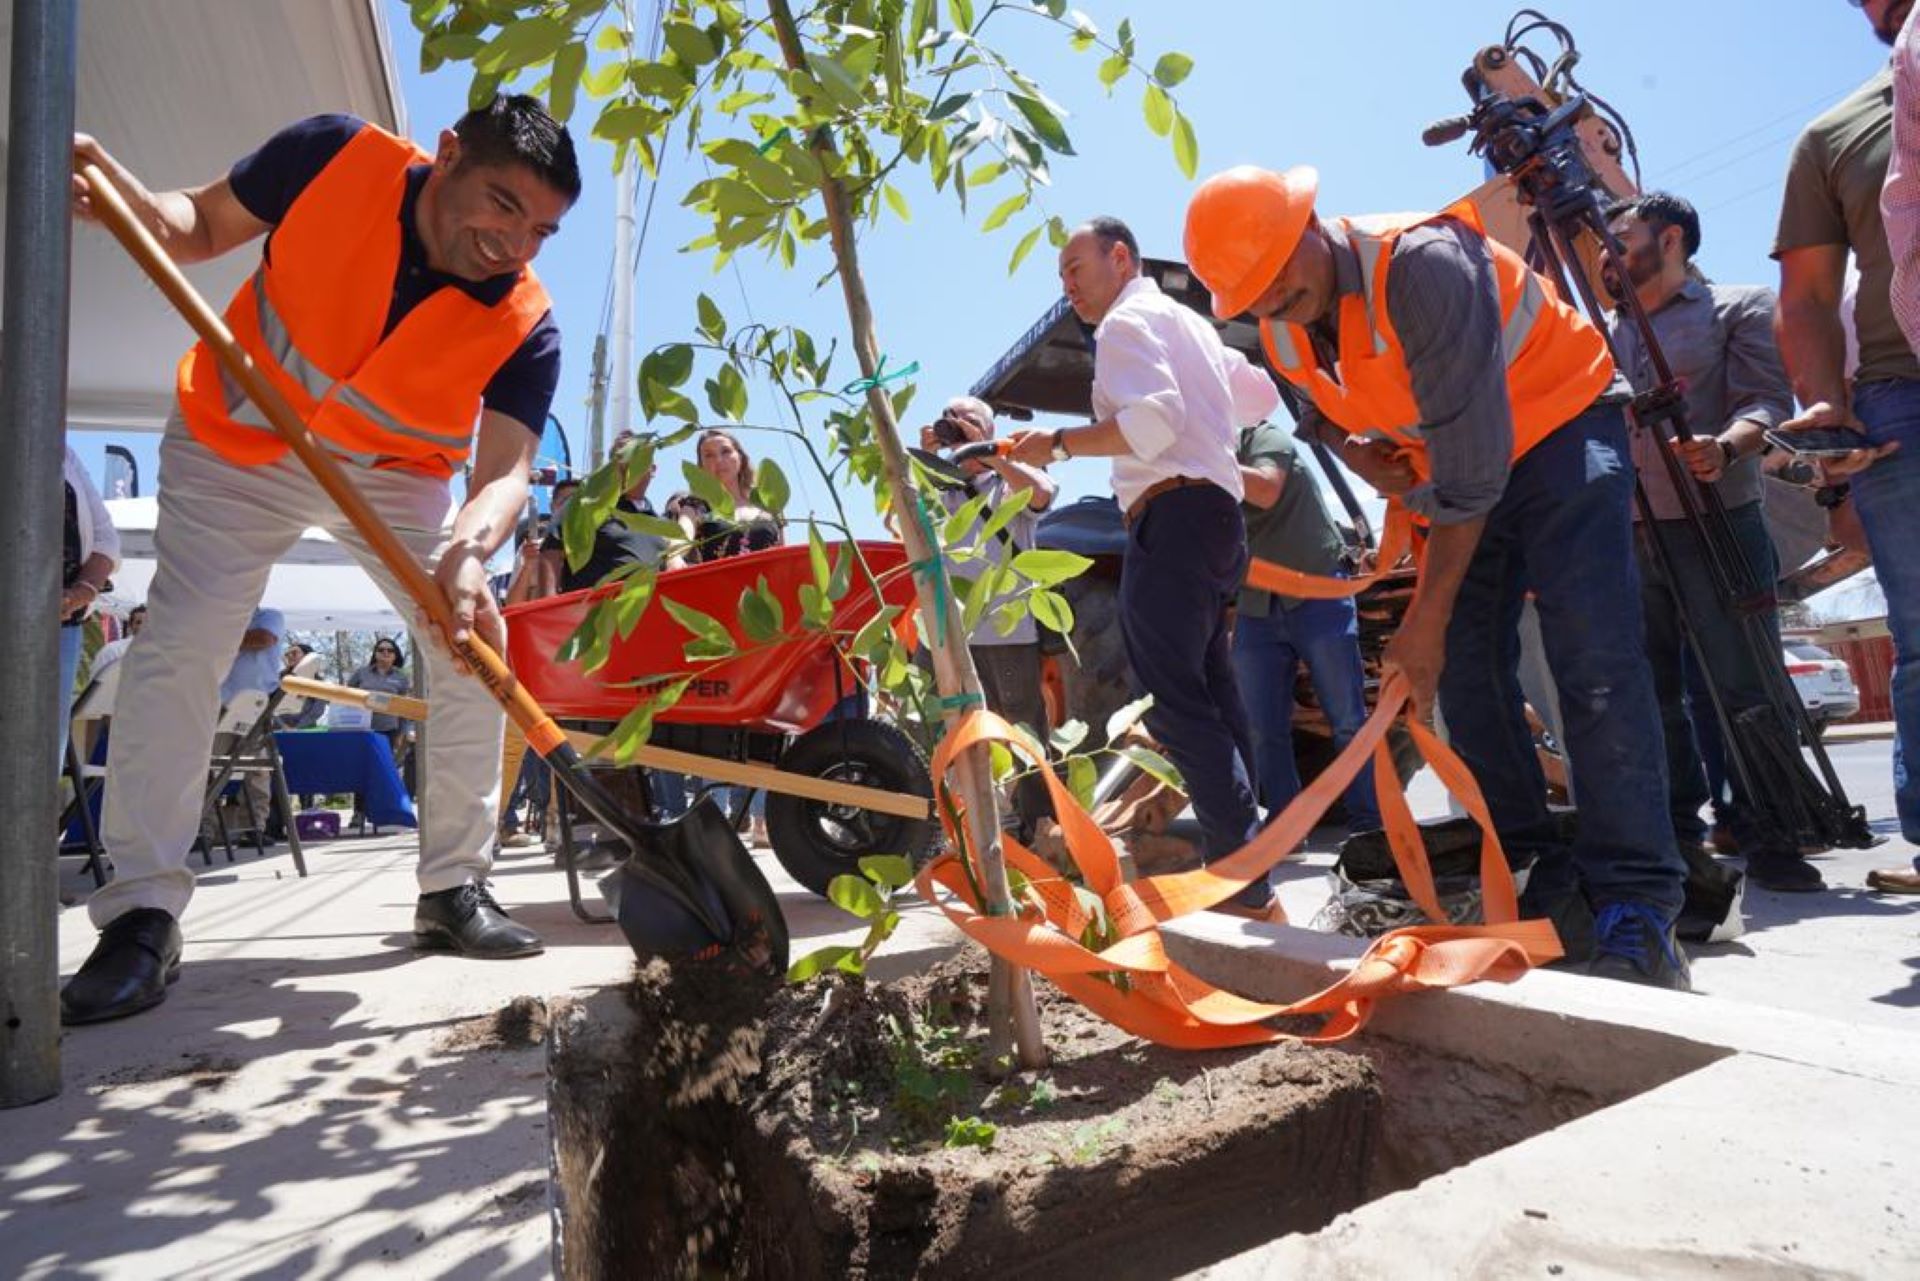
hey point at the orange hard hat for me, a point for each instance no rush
(1242, 226)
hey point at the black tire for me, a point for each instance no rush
(816, 840)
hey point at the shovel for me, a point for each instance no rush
(945, 468)
(690, 890)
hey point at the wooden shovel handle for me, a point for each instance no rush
(111, 208)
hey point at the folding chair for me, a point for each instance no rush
(243, 747)
(95, 704)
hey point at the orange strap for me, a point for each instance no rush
(1395, 543)
(1119, 968)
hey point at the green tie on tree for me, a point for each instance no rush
(805, 120)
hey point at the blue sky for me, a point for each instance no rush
(1715, 93)
(1714, 96)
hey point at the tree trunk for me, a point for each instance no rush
(1014, 1021)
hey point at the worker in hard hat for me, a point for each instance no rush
(1169, 401)
(1455, 380)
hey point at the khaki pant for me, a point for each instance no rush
(220, 530)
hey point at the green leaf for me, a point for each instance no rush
(877, 632)
(1004, 210)
(770, 487)
(1051, 610)
(817, 557)
(1012, 506)
(855, 894)
(1124, 35)
(948, 105)
(1159, 110)
(521, 44)
(1112, 68)
(1068, 736)
(956, 525)
(568, 65)
(970, 1132)
(1025, 247)
(1125, 718)
(727, 393)
(961, 13)
(1172, 69)
(612, 38)
(713, 325)
(1050, 568)
(689, 43)
(887, 870)
(986, 173)
(658, 526)
(711, 639)
(841, 85)
(669, 366)
(1082, 777)
(758, 613)
(1186, 147)
(1046, 124)
(1155, 764)
(842, 572)
(704, 486)
(816, 611)
(896, 202)
(485, 85)
(814, 962)
(631, 604)
(920, 22)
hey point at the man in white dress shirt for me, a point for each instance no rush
(1169, 401)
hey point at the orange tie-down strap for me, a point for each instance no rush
(1118, 966)
(1395, 543)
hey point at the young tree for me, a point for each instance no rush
(804, 118)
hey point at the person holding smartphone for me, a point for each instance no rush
(1719, 341)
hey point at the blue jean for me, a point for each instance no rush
(1267, 653)
(1741, 683)
(1887, 496)
(1562, 530)
(1186, 555)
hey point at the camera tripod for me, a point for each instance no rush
(1539, 150)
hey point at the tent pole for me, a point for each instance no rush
(33, 421)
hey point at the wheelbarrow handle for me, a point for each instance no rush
(480, 658)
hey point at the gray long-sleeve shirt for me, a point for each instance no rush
(1444, 302)
(1719, 341)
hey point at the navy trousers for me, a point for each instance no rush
(1186, 556)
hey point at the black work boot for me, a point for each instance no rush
(137, 956)
(465, 919)
(1784, 870)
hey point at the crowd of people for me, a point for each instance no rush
(1428, 356)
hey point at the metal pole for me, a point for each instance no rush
(33, 415)
(620, 407)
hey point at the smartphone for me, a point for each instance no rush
(1818, 442)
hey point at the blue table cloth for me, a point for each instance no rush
(326, 761)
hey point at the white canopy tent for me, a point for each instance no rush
(178, 90)
(317, 586)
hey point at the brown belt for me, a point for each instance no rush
(1154, 491)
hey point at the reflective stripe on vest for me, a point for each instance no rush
(317, 384)
(1514, 329)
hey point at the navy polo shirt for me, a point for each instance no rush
(268, 181)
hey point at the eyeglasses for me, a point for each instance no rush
(386, 649)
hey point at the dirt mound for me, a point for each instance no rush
(849, 1129)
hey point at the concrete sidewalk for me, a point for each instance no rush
(315, 1099)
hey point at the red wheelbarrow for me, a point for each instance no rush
(786, 717)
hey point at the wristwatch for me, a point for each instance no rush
(1060, 454)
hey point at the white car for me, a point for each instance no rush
(1824, 683)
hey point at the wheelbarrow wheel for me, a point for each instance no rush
(817, 840)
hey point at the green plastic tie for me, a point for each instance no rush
(780, 135)
(861, 386)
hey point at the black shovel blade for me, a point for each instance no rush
(943, 472)
(701, 853)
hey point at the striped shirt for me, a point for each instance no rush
(1900, 198)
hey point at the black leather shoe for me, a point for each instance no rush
(466, 920)
(137, 956)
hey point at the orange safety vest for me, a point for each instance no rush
(1556, 361)
(312, 318)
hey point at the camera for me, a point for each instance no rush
(949, 432)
